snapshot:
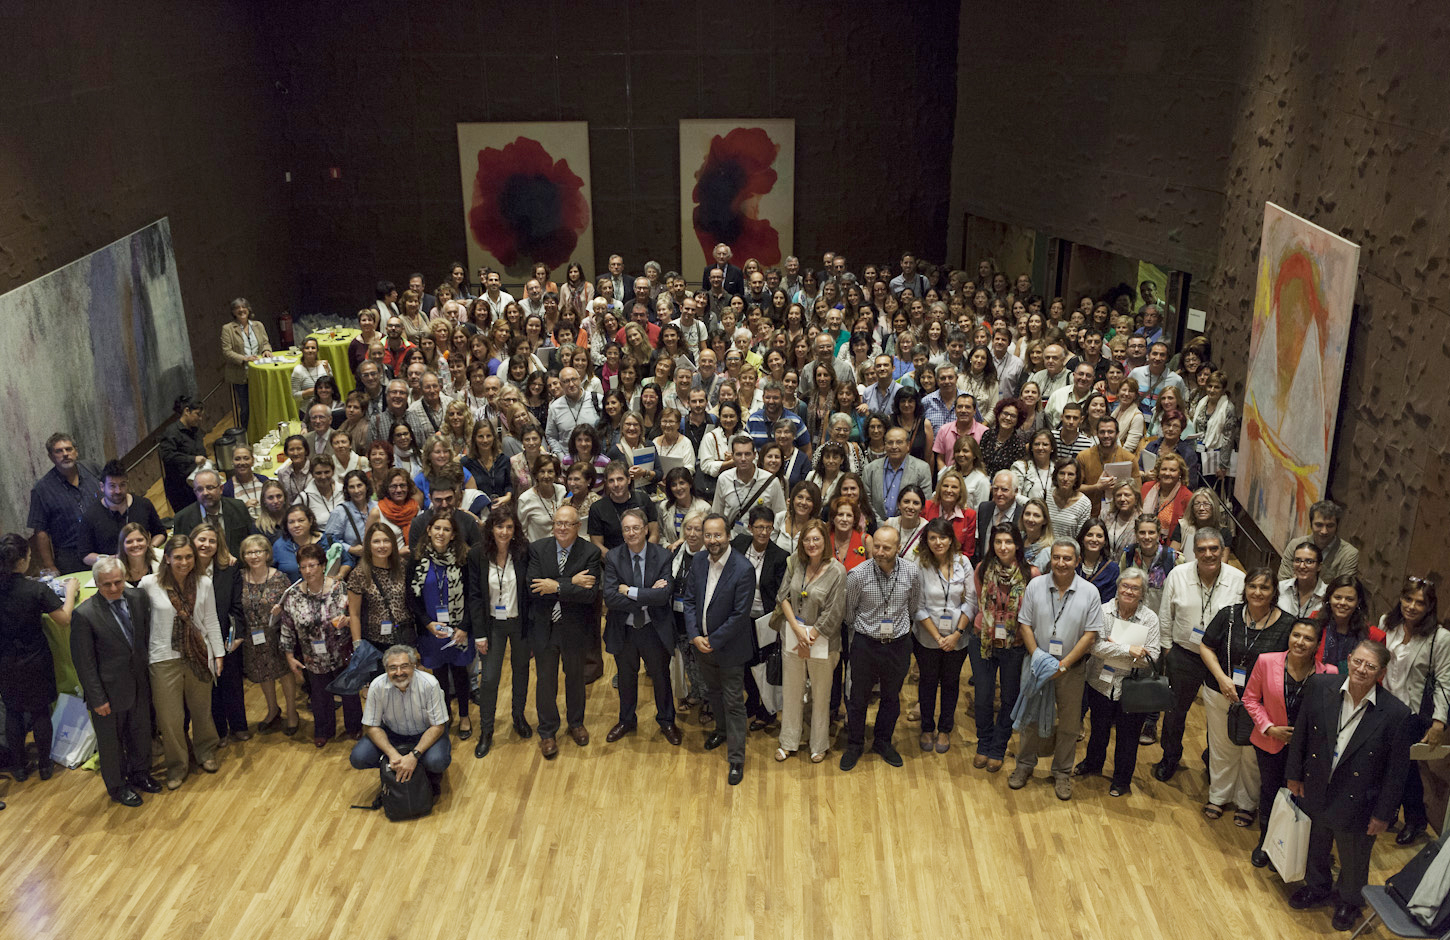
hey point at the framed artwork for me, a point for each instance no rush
(106, 353)
(526, 197)
(737, 186)
(1303, 301)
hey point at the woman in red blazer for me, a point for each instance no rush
(1272, 698)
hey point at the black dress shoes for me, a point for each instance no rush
(849, 757)
(485, 741)
(146, 784)
(1345, 916)
(1307, 897)
(672, 734)
(19, 774)
(1409, 834)
(737, 773)
(126, 797)
(521, 728)
(46, 769)
(1259, 858)
(714, 740)
(889, 754)
(1164, 771)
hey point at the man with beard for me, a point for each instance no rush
(404, 720)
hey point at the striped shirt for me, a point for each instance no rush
(405, 713)
(879, 605)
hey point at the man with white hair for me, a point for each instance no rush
(110, 642)
(732, 280)
(405, 721)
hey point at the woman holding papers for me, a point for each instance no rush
(812, 600)
(636, 451)
(1128, 640)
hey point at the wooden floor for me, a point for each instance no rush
(635, 839)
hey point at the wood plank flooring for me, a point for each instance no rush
(636, 839)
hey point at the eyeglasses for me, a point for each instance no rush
(1304, 562)
(1366, 664)
(1427, 582)
(566, 525)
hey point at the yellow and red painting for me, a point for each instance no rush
(1303, 300)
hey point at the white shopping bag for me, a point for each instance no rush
(1287, 840)
(75, 740)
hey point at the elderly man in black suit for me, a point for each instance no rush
(640, 624)
(564, 575)
(1348, 759)
(109, 637)
(718, 622)
(230, 515)
(1002, 505)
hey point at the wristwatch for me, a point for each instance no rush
(415, 753)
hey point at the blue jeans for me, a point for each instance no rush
(995, 730)
(366, 756)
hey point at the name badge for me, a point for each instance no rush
(1240, 679)
(319, 648)
(887, 624)
(1107, 674)
(678, 605)
(1198, 633)
(441, 615)
(386, 628)
(259, 638)
(1054, 648)
(1000, 631)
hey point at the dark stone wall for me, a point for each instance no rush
(114, 115)
(1343, 121)
(377, 92)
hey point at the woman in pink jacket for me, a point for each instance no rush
(1272, 698)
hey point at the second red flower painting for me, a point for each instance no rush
(737, 183)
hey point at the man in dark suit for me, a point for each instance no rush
(768, 560)
(734, 282)
(1003, 506)
(109, 638)
(640, 624)
(718, 622)
(564, 574)
(1347, 763)
(211, 506)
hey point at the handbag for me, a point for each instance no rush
(1286, 841)
(1145, 694)
(1240, 724)
(773, 666)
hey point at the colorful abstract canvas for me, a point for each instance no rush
(106, 352)
(1303, 301)
(737, 186)
(526, 197)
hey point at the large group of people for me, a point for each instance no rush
(780, 490)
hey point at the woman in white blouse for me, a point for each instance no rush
(185, 653)
(1114, 657)
(715, 447)
(1129, 415)
(306, 373)
(538, 505)
(940, 628)
(1034, 472)
(1419, 662)
(672, 449)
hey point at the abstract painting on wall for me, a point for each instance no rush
(106, 354)
(737, 186)
(526, 197)
(1303, 301)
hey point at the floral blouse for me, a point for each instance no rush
(307, 621)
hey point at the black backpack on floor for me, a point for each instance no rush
(407, 800)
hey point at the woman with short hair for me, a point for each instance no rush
(313, 616)
(262, 659)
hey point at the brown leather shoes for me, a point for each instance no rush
(549, 748)
(580, 734)
(615, 733)
(672, 734)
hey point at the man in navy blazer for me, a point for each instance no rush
(564, 575)
(1003, 506)
(1348, 760)
(734, 276)
(640, 624)
(718, 623)
(110, 637)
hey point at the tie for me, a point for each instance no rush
(123, 617)
(558, 612)
(638, 584)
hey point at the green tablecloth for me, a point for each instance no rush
(269, 388)
(59, 639)
(332, 345)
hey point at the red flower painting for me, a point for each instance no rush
(737, 171)
(527, 206)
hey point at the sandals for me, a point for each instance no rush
(782, 754)
(1212, 812)
(1243, 818)
(817, 758)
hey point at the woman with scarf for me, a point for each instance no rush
(185, 654)
(398, 504)
(996, 648)
(437, 589)
(313, 615)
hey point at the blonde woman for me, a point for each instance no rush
(812, 602)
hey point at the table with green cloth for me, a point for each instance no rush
(332, 345)
(58, 637)
(269, 388)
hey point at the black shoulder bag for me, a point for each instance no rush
(1240, 722)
